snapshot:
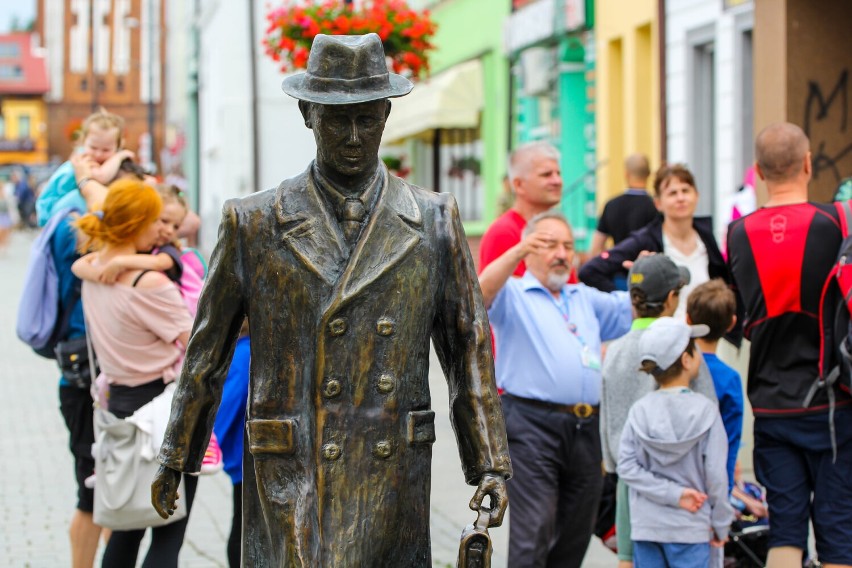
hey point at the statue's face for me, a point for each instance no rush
(348, 136)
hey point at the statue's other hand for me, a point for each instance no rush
(164, 491)
(494, 486)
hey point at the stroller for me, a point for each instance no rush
(748, 540)
(747, 546)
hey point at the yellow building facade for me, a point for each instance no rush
(24, 136)
(627, 115)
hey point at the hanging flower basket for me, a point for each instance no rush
(405, 33)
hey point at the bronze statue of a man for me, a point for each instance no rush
(344, 272)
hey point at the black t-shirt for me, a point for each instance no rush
(780, 259)
(626, 213)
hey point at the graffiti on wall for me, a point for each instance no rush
(826, 121)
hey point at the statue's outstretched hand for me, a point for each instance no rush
(164, 491)
(494, 486)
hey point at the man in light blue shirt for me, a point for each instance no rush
(548, 336)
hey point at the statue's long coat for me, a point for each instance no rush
(339, 433)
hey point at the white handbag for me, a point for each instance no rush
(125, 453)
(124, 471)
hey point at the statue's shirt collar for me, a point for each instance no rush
(336, 198)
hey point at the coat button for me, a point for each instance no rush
(331, 388)
(337, 326)
(331, 452)
(386, 384)
(385, 327)
(382, 450)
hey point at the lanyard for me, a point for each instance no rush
(562, 305)
(588, 359)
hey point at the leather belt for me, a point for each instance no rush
(580, 410)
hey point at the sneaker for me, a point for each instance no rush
(212, 462)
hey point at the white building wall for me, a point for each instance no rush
(226, 153)
(695, 22)
(178, 34)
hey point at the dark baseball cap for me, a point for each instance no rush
(657, 275)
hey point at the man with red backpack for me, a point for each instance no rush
(781, 259)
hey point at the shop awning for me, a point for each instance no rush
(450, 99)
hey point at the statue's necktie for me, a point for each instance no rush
(353, 215)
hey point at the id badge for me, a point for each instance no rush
(590, 360)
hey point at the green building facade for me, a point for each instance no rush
(452, 131)
(551, 48)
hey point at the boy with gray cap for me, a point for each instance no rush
(654, 283)
(673, 455)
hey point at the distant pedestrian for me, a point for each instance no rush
(628, 212)
(672, 457)
(25, 196)
(536, 181)
(5, 221)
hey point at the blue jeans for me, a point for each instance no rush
(647, 554)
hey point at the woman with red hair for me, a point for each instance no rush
(138, 327)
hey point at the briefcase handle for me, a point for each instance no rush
(475, 546)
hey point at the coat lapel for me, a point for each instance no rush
(309, 229)
(388, 237)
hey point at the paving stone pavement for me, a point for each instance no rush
(37, 495)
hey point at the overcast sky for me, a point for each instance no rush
(23, 9)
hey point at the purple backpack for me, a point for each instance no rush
(39, 318)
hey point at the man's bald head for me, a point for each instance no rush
(780, 151)
(637, 169)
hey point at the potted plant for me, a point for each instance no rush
(405, 33)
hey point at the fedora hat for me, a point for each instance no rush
(346, 69)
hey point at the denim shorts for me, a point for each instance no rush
(793, 461)
(648, 554)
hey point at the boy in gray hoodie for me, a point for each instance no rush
(673, 457)
(654, 283)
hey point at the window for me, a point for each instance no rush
(10, 50)
(9, 71)
(703, 121)
(24, 126)
(746, 106)
(459, 169)
(450, 161)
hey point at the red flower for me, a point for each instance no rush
(300, 57)
(404, 32)
(342, 24)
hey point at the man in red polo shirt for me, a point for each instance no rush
(537, 184)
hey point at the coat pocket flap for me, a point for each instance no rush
(421, 427)
(271, 436)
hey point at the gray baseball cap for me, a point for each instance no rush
(665, 340)
(657, 275)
